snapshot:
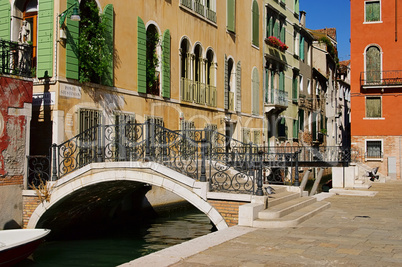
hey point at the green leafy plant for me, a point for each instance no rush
(152, 75)
(330, 48)
(92, 48)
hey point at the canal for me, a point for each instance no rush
(124, 243)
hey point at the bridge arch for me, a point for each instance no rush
(141, 172)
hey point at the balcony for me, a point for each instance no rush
(16, 59)
(211, 95)
(199, 8)
(275, 99)
(187, 3)
(211, 15)
(381, 79)
(197, 92)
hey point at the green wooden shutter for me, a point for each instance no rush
(226, 93)
(231, 15)
(256, 24)
(142, 56)
(166, 64)
(276, 28)
(281, 81)
(5, 19)
(283, 33)
(72, 32)
(270, 26)
(255, 92)
(238, 87)
(295, 82)
(295, 129)
(297, 6)
(108, 78)
(301, 48)
(45, 38)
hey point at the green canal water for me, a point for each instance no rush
(124, 243)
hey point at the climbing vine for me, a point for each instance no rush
(152, 62)
(330, 48)
(92, 50)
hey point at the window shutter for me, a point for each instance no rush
(255, 82)
(238, 87)
(226, 94)
(295, 129)
(5, 19)
(301, 48)
(276, 27)
(283, 33)
(314, 130)
(294, 95)
(266, 86)
(166, 64)
(45, 38)
(108, 12)
(256, 28)
(297, 6)
(246, 135)
(142, 56)
(231, 15)
(281, 81)
(270, 26)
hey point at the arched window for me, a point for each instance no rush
(256, 24)
(185, 81)
(199, 85)
(210, 74)
(230, 82)
(153, 66)
(373, 64)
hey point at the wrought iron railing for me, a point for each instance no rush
(228, 165)
(16, 59)
(211, 15)
(187, 3)
(381, 78)
(199, 7)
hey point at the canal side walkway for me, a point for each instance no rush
(358, 230)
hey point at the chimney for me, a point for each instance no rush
(303, 19)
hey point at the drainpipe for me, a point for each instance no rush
(396, 20)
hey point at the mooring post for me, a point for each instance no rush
(99, 157)
(259, 175)
(54, 163)
(147, 140)
(297, 182)
(203, 177)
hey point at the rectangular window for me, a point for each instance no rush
(374, 149)
(373, 107)
(301, 120)
(301, 48)
(301, 83)
(373, 11)
(294, 87)
(308, 86)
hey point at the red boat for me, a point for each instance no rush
(16, 245)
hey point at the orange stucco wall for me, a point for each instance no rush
(388, 36)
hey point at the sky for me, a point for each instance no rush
(322, 14)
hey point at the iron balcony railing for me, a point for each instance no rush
(187, 3)
(198, 92)
(211, 15)
(16, 59)
(389, 78)
(199, 7)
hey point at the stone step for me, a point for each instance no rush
(285, 208)
(281, 197)
(294, 218)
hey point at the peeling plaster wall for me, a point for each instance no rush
(14, 93)
(15, 114)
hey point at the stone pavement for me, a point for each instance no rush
(355, 231)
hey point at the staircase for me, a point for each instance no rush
(362, 181)
(284, 209)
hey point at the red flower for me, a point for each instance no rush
(275, 42)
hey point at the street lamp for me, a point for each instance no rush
(75, 16)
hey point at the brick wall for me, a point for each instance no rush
(391, 146)
(11, 180)
(228, 209)
(30, 203)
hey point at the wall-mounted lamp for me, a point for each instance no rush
(75, 16)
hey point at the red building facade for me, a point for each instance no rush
(376, 83)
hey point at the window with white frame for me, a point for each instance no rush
(373, 107)
(374, 149)
(372, 11)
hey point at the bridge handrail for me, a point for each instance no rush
(225, 163)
